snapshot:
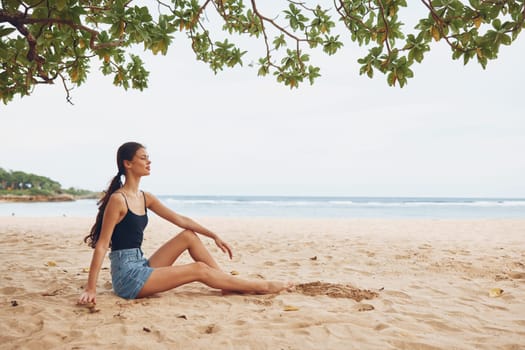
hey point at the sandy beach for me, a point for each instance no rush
(361, 284)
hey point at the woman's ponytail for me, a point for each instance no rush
(94, 233)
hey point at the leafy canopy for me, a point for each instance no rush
(44, 41)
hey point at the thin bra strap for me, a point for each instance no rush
(144, 196)
(125, 199)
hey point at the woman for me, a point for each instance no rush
(120, 224)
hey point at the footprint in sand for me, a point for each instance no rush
(260, 301)
(10, 290)
(517, 275)
(212, 328)
(363, 307)
(398, 294)
(381, 326)
(402, 257)
(442, 326)
(240, 322)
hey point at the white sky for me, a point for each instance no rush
(453, 131)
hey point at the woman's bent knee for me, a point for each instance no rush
(188, 235)
(202, 270)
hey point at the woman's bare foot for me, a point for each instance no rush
(277, 287)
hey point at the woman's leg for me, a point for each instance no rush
(166, 278)
(171, 250)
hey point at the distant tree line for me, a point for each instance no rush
(22, 183)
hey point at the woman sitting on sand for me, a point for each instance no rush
(121, 220)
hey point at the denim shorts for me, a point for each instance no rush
(129, 272)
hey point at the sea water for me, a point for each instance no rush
(300, 207)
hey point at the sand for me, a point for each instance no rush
(362, 284)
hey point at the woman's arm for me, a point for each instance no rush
(154, 204)
(112, 215)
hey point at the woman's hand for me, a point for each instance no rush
(87, 297)
(224, 246)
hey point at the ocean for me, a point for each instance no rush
(300, 207)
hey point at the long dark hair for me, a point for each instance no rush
(125, 152)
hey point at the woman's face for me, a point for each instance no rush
(140, 164)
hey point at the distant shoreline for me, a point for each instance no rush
(42, 198)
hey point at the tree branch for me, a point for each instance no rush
(18, 20)
(263, 18)
(268, 56)
(387, 32)
(439, 22)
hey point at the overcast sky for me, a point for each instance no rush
(453, 131)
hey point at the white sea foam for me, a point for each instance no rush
(291, 202)
(346, 207)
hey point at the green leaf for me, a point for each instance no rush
(61, 4)
(6, 31)
(263, 70)
(279, 41)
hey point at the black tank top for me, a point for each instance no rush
(129, 232)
